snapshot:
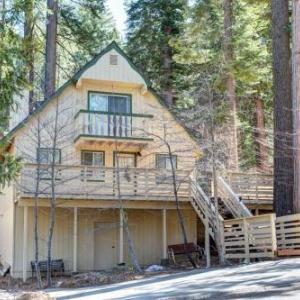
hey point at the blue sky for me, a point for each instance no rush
(117, 9)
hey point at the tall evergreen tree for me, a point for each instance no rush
(12, 81)
(153, 27)
(283, 115)
(51, 48)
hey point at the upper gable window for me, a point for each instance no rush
(113, 59)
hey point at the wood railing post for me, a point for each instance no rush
(146, 183)
(222, 246)
(246, 238)
(207, 240)
(273, 233)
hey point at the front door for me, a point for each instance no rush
(105, 246)
(128, 177)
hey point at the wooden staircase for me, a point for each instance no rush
(232, 202)
(206, 210)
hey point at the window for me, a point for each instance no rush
(92, 158)
(45, 155)
(163, 161)
(126, 160)
(95, 161)
(111, 103)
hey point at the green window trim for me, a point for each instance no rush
(110, 94)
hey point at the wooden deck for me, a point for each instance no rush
(253, 188)
(81, 182)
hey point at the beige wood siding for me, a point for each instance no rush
(121, 72)
(6, 225)
(98, 230)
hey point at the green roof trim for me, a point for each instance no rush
(112, 46)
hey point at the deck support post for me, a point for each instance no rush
(164, 237)
(207, 243)
(121, 241)
(25, 238)
(75, 236)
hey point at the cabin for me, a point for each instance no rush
(106, 141)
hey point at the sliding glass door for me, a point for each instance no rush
(110, 114)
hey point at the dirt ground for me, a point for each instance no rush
(17, 289)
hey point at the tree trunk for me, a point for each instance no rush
(36, 209)
(179, 212)
(261, 137)
(167, 59)
(131, 247)
(296, 102)
(51, 36)
(29, 40)
(283, 125)
(230, 84)
(53, 196)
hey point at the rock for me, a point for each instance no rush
(154, 268)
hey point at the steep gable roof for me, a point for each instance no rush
(73, 80)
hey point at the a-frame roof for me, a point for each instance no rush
(73, 80)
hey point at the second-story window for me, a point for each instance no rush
(92, 158)
(45, 155)
(94, 162)
(163, 161)
(45, 158)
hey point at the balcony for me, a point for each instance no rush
(84, 182)
(91, 126)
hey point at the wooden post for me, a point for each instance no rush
(75, 236)
(222, 246)
(207, 241)
(246, 237)
(164, 234)
(25, 238)
(121, 239)
(273, 232)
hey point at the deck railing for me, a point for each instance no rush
(85, 182)
(105, 124)
(253, 188)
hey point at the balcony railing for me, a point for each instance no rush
(109, 125)
(84, 182)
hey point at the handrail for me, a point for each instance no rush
(108, 168)
(100, 112)
(233, 203)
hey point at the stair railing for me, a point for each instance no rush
(204, 207)
(231, 200)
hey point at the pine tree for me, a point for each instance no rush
(51, 48)
(153, 27)
(283, 115)
(12, 81)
